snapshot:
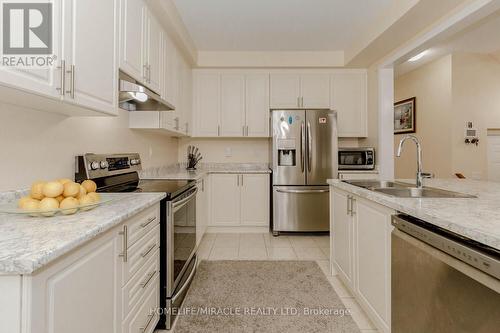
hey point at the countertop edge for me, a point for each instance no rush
(28, 267)
(381, 199)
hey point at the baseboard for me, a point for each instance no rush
(237, 230)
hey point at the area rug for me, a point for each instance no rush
(262, 296)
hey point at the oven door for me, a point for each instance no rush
(181, 238)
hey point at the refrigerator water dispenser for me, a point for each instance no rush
(286, 152)
(286, 157)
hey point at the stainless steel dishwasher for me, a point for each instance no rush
(442, 282)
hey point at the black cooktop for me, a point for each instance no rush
(171, 187)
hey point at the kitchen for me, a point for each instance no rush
(209, 93)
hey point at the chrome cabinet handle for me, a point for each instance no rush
(352, 206)
(62, 68)
(348, 209)
(124, 253)
(71, 90)
(148, 251)
(144, 328)
(247, 130)
(218, 130)
(145, 224)
(298, 102)
(302, 102)
(237, 180)
(309, 147)
(243, 130)
(302, 147)
(241, 180)
(148, 279)
(145, 72)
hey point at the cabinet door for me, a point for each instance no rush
(132, 13)
(206, 104)
(187, 97)
(255, 199)
(342, 231)
(90, 46)
(315, 91)
(81, 288)
(285, 91)
(43, 82)
(232, 115)
(257, 105)
(153, 54)
(171, 86)
(348, 98)
(225, 200)
(373, 254)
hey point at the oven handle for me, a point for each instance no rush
(176, 205)
(188, 280)
(303, 191)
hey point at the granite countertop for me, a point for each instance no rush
(474, 218)
(178, 171)
(28, 243)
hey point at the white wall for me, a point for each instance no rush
(476, 98)
(431, 85)
(40, 145)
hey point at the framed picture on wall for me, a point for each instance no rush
(404, 116)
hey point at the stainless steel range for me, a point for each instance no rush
(178, 261)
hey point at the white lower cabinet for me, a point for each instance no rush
(239, 200)
(361, 252)
(108, 285)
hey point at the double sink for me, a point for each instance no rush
(405, 190)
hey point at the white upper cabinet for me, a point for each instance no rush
(44, 82)
(90, 54)
(232, 113)
(315, 91)
(349, 99)
(285, 91)
(171, 58)
(84, 77)
(257, 105)
(207, 94)
(292, 91)
(240, 107)
(133, 13)
(153, 52)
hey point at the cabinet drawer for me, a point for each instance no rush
(141, 283)
(145, 318)
(142, 223)
(140, 252)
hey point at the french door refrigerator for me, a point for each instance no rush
(304, 156)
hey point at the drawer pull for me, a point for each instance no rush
(145, 224)
(144, 254)
(150, 276)
(145, 327)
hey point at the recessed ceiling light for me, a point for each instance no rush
(418, 56)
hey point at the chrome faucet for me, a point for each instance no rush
(420, 175)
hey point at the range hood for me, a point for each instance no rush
(135, 97)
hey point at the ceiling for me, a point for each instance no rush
(278, 25)
(481, 37)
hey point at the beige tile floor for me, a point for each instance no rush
(286, 247)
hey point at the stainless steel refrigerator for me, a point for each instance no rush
(304, 156)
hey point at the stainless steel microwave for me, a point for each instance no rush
(356, 158)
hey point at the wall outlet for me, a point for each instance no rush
(228, 152)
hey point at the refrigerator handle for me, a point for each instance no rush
(302, 147)
(309, 147)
